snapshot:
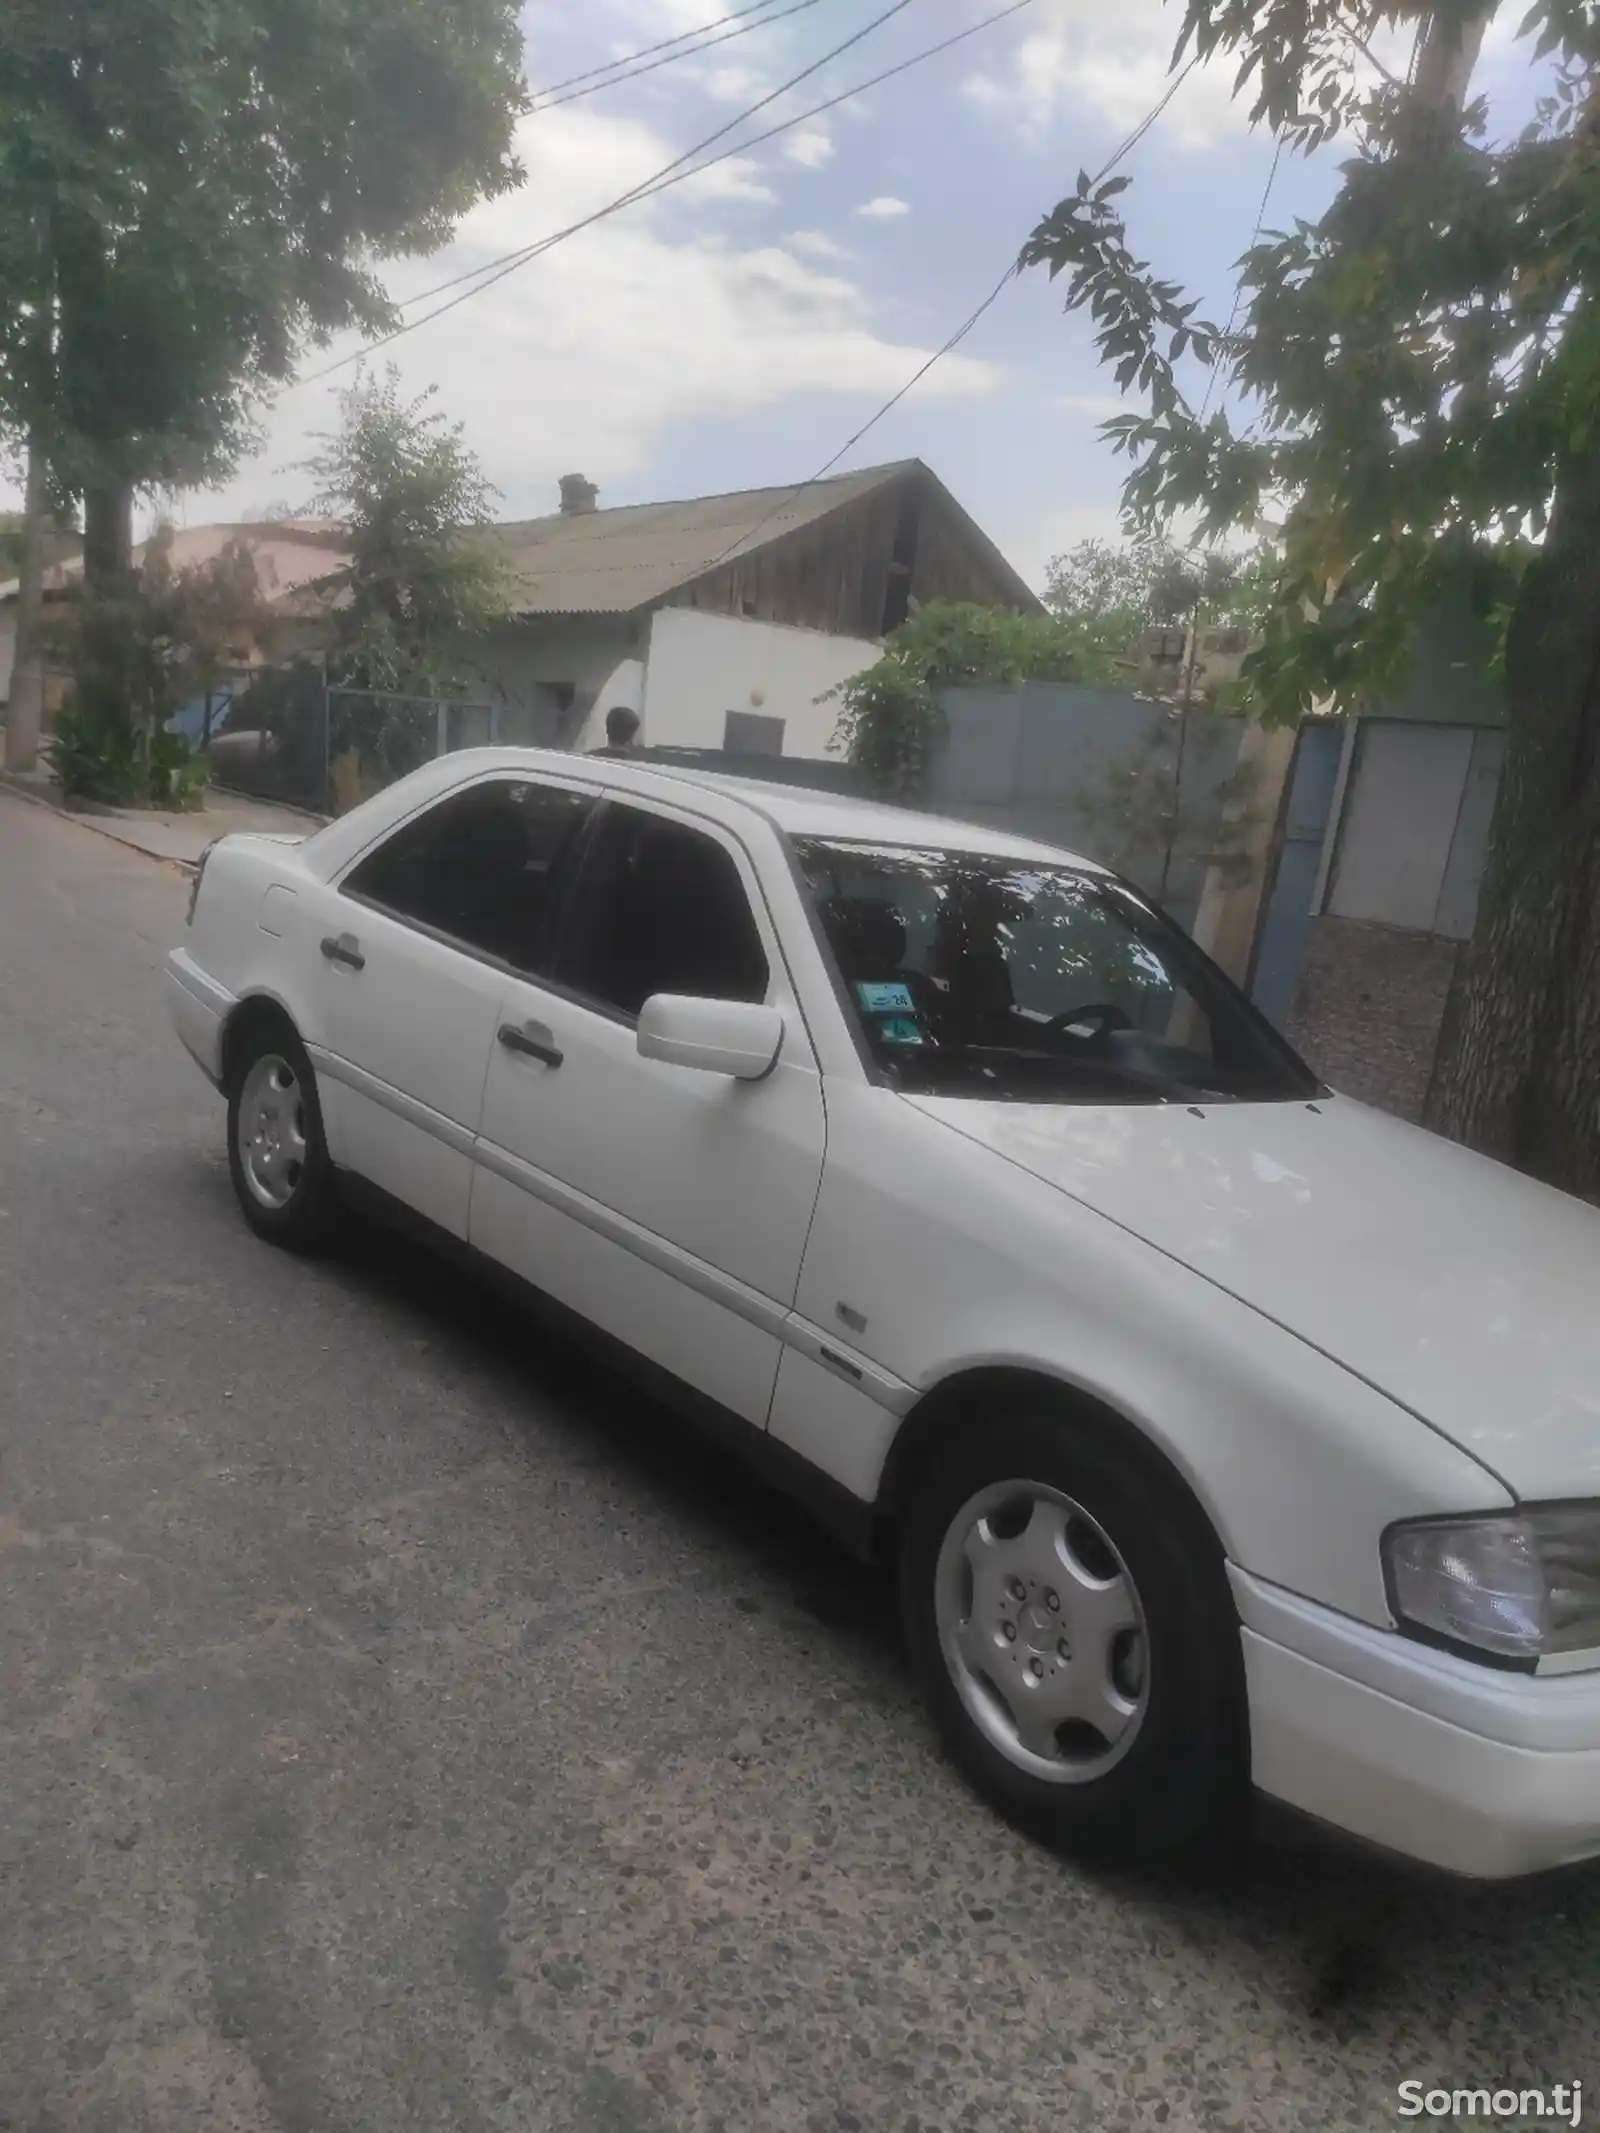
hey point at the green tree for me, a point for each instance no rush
(1119, 590)
(890, 716)
(423, 582)
(191, 191)
(1421, 374)
(61, 541)
(139, 650)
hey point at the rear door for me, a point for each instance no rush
(668, 1206)
(412, 949)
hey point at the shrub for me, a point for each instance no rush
(890, 720)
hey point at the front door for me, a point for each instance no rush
(668, 1206)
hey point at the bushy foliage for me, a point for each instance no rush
(423, 582)
(136, 654)
(891, 718)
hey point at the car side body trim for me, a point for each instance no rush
(711, 1282)
(879, 1385)
(450, 1131)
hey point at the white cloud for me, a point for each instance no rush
(810, 147)
(735, 84)
(816, 244)
(649, 320)
(886, 208)
(1086, 56)
(1033, 543)
(1113, 59)
(1100, 405)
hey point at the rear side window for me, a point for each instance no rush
(482, 867)
(661, 909)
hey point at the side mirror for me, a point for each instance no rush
(717, 1036)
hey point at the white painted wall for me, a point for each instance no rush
(701, 667)
(521, 662)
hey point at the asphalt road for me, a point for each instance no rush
(404, 1730)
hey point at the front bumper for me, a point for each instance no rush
(1466, 1767)
(200, 1008)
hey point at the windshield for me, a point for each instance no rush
(977, 976)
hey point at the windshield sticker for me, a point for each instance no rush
(888, 999)
(900, 1029)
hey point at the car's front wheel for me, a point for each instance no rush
(1074, 1636)
(277, 1155)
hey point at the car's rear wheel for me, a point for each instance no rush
(1071, 1626)
(277, 1155)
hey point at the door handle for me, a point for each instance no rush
(532, 1047)
(344, 950)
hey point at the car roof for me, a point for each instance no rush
(798, 810)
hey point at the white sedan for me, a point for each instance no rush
(1226, 1430)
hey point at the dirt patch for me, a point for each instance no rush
(1368, 1008)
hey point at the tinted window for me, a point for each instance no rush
(1041, 984)
(662, 910)
(480, 867)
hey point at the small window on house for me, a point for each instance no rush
(744, 733)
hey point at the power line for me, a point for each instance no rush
(497, 270)
(486, 276)
(1238, 286)
(950, 345)
(650, 50)
(663, 180)
(552, 102)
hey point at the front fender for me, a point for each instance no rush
(961, 1263)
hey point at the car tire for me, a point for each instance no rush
(1072, 1631)
(277, 1151)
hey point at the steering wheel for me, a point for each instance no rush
(1105, 1013)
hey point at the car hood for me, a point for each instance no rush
(1461, 1289)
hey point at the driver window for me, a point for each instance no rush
(661, 909)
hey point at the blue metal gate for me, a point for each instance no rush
(1281, 945)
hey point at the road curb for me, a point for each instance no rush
(24, 789)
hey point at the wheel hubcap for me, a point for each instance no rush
(272, 1131)
(1043, 1632)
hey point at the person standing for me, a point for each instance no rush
(622, 732)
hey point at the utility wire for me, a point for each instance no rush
(683, 37)
(496, 270)
(1238, 286)
(551, 102)
(674, 174)
(485, 276)
(950, 345)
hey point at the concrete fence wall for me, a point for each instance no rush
(1121, 778)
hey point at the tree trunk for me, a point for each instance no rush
(107, 538)
(25, 711)
(1520, 1078)
(1448, 54)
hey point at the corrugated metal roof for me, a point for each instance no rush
(612, 562)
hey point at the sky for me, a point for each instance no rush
(737, 331)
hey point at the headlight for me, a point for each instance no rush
(1524, 1585)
